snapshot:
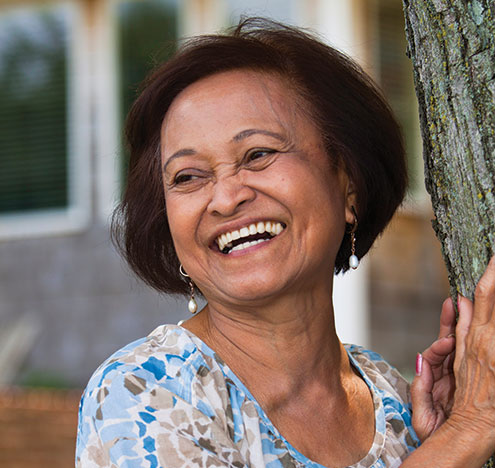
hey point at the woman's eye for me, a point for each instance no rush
(258, 154)
(189, 179)
(183, 178)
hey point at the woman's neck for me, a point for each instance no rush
(290, 343)
(289, 357)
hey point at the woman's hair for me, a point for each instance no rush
(357, 126)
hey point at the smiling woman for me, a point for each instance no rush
(356, 129)
(253, 156)
(217, 186)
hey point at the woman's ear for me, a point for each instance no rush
(350, 203)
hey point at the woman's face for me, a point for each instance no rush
(254, 205)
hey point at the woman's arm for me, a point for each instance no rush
(467, 438)
(143, 409)
(122, 428)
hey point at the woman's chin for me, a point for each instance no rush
(248, 291)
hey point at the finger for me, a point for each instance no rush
(484, 295)
(439, 350)
(448, 364)
(422, 399)
(439, 355)
(466, 310)
(447, 319)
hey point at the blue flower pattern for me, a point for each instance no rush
(169, 401)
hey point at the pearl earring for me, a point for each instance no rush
(353, 259)
(192, 305)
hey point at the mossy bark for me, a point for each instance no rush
(452, 47)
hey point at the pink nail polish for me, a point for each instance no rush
(419, 364)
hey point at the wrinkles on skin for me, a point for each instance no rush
(284, 348)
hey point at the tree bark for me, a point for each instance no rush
(452, 47)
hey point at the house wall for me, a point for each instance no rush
(82, 304)
(78, 294)
(408, 284)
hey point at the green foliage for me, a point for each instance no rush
(41, 379)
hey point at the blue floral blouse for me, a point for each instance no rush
(169, 401)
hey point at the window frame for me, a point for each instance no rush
(106, 131)
(76, 216)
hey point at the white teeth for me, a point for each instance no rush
(247, 244)
(225, 239)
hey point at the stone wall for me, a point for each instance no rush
(88, 305)
(84, 301)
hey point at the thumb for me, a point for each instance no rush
(423, 416)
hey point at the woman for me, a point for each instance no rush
(262, 162)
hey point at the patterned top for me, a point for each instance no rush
(169, 401)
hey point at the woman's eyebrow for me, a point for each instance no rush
(251, 131)
(178, 154)
(239, 137)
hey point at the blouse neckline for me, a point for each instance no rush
(376, 448)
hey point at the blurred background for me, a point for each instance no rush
(68, 74)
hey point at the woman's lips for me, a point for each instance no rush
(247, 236)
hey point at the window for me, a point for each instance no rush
(147, 31)
(41, 175)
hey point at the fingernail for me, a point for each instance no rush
(458, 301)
(446, 337)
(419, 364)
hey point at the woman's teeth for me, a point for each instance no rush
(271, 228)
(247, 244)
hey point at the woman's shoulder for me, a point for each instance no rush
(167, 358)
(166, 370)
(381, 373)
(392, 402)
(163, 391)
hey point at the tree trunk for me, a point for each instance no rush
(452, 47)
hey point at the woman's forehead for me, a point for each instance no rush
(235, 98)
(229, 88)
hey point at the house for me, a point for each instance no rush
(68, 73)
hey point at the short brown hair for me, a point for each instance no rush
(357, 125)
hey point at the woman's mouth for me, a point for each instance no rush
(248, 236)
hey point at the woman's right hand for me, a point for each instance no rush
(474, 365)
(466, 439)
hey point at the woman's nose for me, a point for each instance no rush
(229, 193)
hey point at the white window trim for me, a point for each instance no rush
(77, 215)
(107, 131)
(201, 17)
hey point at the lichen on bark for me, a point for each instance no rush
(452, 47)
